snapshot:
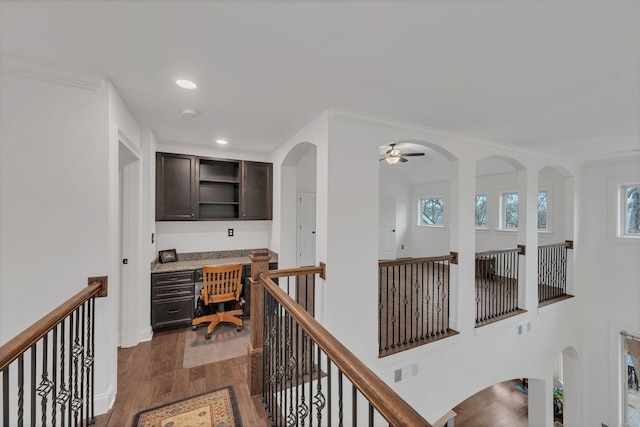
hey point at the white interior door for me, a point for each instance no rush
(129, 260)
(306, 228)
(387, 248)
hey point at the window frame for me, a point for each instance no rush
(622, 211)
(503, 212)
(549, 221)
(444, 212)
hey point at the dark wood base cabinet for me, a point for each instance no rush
(173, 296)
(172, 299)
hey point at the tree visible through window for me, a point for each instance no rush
(510, 210)
(481, 210)
(432, 211)
(632, 209)
(542, 210)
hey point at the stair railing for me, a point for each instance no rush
(48, 369)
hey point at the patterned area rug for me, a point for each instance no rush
(217, 408)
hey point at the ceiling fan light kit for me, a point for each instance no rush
(393, 155)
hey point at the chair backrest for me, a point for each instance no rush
(222, 282)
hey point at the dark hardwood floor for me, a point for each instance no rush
(151, 374)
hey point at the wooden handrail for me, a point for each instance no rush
(403, 261)
(567, 244)
(22, 342)
(301, 271)
(500, 251)
(382, 397)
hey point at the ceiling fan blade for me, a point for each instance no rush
(382, 159)
(402, 159)
(411, 154)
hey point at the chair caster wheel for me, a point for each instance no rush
(208, 336)
(194, 327)
(238, 328)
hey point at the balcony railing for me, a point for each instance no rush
(497, 284)
(310, 378)
(552, 272)
(413, 303)
(47, 370)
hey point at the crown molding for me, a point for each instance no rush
(95, 82)
(433, 135)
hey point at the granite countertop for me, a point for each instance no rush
(195, 260)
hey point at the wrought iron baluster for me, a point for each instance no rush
(5, 396)
(370, 415)
(354, 405)
(340, 399)
(380, 307)
(329, 392)
(20, 392)
(33, 385)
(45, 386)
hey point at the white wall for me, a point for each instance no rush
(608, 281)
(392, 184)
(54, 187)
(427, 241)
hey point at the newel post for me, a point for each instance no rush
(259, 264)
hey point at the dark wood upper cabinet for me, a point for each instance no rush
(175, 187)
(201, 188)
(257, 190)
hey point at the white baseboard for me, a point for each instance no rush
(146, 334)
(104, 401)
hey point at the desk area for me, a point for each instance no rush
(175, 285)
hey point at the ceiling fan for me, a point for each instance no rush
(393, 155)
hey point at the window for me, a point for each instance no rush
(481, 211)
(542, 210)
(432, 211)
(631, 209)
(510, 211)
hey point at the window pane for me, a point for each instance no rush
(632, 210)
(481, 210)
(542, 210)
(510, 201)
(432, 211)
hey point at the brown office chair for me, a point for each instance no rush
(222, 284)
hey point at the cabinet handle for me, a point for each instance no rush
(177, 310)
(193, 215)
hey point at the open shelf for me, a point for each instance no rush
(215, 192)
(219, 171)
(219, 210)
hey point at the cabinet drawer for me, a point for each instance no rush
(171, 291)
(177, 278)
(172, 311)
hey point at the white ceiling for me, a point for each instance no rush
(556, 76)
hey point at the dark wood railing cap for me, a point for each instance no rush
(22, 342)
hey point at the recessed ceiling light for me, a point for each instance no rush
(222, 141)
(189, 112)
(186, 84)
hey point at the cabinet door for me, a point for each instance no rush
(257, 190)
(175, 187)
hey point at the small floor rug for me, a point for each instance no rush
(217, 408)
(225, 343)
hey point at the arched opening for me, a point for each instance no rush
(298, 209)
(505, 403)
(500, 207)
(415, 193)
(555, 234)
(414, 281)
